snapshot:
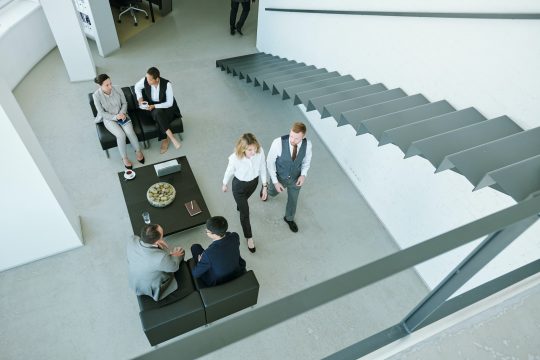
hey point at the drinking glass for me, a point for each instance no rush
(146, 217)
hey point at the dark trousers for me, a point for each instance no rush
(242, 190)
(234, 10)
(177, 294)
(163, 117)
(196, 250)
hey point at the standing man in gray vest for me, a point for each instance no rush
(288, 163)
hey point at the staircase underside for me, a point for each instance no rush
(488, 152)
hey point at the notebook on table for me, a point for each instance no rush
(193, 208)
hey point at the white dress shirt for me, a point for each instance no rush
(245, 169)
(154, 90)
(275, 152)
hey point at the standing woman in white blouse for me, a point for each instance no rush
(246, 164)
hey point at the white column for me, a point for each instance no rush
(70, 39)
(37, 217)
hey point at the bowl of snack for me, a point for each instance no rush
(161, 194)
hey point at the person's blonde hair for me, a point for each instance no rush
(243, 143)
(299, 127)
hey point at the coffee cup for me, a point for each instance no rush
(129, 174)
(144, 105)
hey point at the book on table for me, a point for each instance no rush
(193, 208)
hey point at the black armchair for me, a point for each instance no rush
(149, 127)
(108, 140)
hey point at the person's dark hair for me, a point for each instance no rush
(150, 233)
(153, 72)
(101, 78)
(217, 225)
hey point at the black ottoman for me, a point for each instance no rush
(226, 299)
(162, 321)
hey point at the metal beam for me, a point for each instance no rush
(474, 262)
(396, 332)
(263, 317)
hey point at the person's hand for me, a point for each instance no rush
(264, 193)
(199, 257)
(150, 107)
(279, 187)
(300, 180)
(121, 116)
(162, 244)
(178, 251)
(224, 188)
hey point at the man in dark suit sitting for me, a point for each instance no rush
(221, 261)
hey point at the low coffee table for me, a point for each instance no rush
(174, 217)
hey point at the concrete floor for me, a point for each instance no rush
(77, 305)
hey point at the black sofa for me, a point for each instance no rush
(199, 305)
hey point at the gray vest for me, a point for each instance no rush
(286, 168)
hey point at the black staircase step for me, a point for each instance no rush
(220, 63)
(474, 163)
(262, 63)
(305, 96)
(270, 65)
(290, 92)
(260, 79)
(258, 60)
(436, 148)
(357, 116)
(318, 103)
(253, 76)
(226, 65)
(518, 180)
(279, 87)
(336, 109)
(404, 135)
(377, 126)
(298, 74)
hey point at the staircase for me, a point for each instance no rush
(488, 152)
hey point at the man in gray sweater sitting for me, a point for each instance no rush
(153, 268)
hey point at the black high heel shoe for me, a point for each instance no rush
(251, 250)
(142, 160)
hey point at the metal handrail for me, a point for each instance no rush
(263, 317)
(449, 15)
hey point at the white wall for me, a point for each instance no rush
(489, 64)
(37, 218)
(25, 37)
(70, 39)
